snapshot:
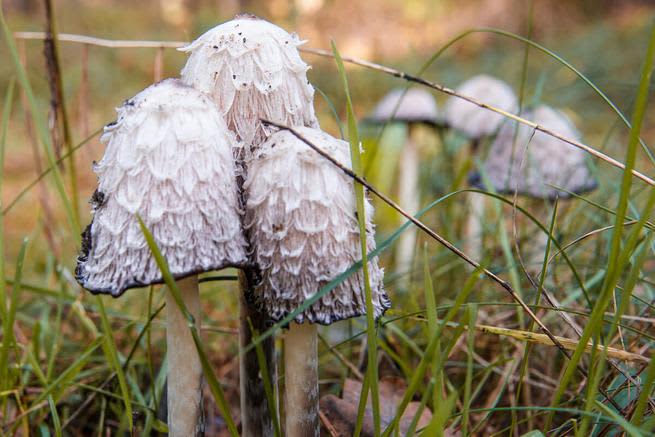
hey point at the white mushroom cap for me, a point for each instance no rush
(548, 161)
(417, 106)
(169, 159)
(301, 214)
(470, 119)
(252, 70)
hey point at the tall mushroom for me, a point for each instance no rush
(252, 70)
(534, 164)
(301, 214)
(413, 107)
(476, 124)
(168, 159)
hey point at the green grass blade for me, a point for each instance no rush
(431, 314)
(57, 386)
(34, 183)
(547, 52)
(417, 378)
(468, 382)
(6, 113)
(613, 264)
(109, 348)
(644, 396)
(355, 153)
(56, 423)
(629, 428)
(212, 381)
(8, 340)
(41, 126)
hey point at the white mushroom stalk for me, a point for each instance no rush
(168, 160)
(301, 214)
(476, 123)
(413, 107)
(252, 70)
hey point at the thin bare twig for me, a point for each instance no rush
(445, 90)
(441, 240)
(102, 42)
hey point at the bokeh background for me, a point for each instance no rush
(604, 39)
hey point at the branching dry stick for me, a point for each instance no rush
(83, 39)
(504, 284)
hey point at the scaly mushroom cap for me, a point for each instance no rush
(252, 70)
(301, 214)
(168, 159)
(470, 119)
(416, 106)
(547, 161)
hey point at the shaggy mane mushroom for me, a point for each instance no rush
(169, 160)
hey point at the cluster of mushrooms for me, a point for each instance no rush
(513, 158)
(218, 187)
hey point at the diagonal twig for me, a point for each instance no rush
(102, 42)
(445, 90)
(504, 284)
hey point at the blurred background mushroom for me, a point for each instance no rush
(253, 71)
(168, 160)
(301, 214)
(531, 163)
(477, 124)
(413, 107)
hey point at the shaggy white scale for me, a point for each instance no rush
(168, 158)
(252, 70)
(301, 214)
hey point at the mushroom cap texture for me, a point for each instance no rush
(252, 70)
(470, 119)
(417, 106)
(169, 159)
(546, 161)
(301, 215)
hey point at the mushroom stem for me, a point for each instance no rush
(301, 380)
(409, 199)
(473, 238)
(256, 419)
(184, 368)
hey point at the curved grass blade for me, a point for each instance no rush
(549, 53)
(45, 172)
(41, 126)
(109, 348)
(615, 258)
(355, 154)
(8, 340)
(214, 385)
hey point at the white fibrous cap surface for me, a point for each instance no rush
(169, 160)
(546, 161)
(411, 106)
(472, 120)
(253, 71)
(301, 215)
